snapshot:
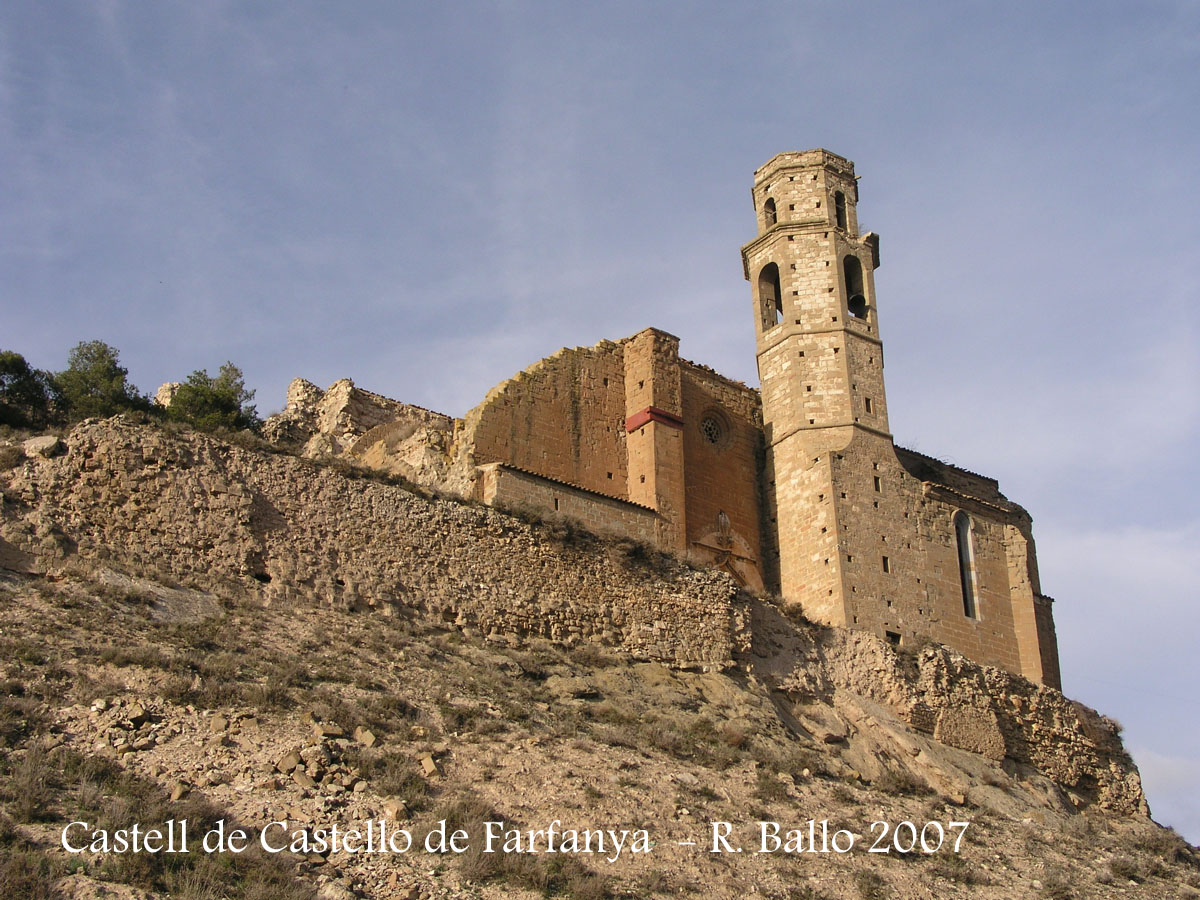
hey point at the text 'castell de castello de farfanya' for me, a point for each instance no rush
(796, 488)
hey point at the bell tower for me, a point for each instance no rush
(820, 359)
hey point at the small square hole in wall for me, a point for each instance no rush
(856, 620)
(826, 562)
(792, 207)
(643, 478)
(822, 496)
(849, 558)
(797, 321)
(875, 466)
(610, 476)
(812, 421)
(823, 529)
(793, 265)
(843, 495)
(641, 384)
(791, 237)
(606, 382)
(887, 565)
(801, 354)
(818, 204)
(870, 360)
(889, 603)
(835, 318)
(837, 350)
(808, 387)
(876, 504)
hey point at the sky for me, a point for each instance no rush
(427, 198)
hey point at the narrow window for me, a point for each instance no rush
(769, 214)
(770, 296)
(856, 300)
(868, 404)
(878, 485)
(966, 562)
(839, 204)
(887, 564)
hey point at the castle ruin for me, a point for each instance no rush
(797, 489)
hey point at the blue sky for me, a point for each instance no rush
(427, 198)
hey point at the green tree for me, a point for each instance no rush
(95, 383)
(220, 402)
(28, 397)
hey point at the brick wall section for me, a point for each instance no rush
(502, 486)
(563, 417)
(191, 509)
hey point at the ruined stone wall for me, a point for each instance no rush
(981, 709)
(195, 510)
(330, 422)
(563, 417)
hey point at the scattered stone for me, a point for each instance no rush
(301, 778)
(428, 764)
(395, 809)
(364, 736)
(218, 724)
(288, 762)
(325, 730)
(137, 715)
(179, 790)
(46, 445)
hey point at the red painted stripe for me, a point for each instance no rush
(652, 414)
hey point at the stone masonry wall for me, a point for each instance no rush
(192, 509)
(505, 487)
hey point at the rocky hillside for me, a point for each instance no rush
(203, 630)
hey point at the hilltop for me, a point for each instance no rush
(207, 628)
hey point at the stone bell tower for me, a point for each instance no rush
(820, 359)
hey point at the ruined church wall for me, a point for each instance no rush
(725, 476)
(563, 417)
(191, 509)
(899, 556)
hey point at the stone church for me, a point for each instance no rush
(797, 489)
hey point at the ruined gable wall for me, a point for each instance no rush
(191, 509)
(562, 417)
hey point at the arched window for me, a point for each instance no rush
(769, 212)
(856, 300)
(770, 296)
(966, 563)
(839, 204)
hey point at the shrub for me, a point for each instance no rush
(95, 383)
(28, 397)
(209, 403)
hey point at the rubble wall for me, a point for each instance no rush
(198, 511)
